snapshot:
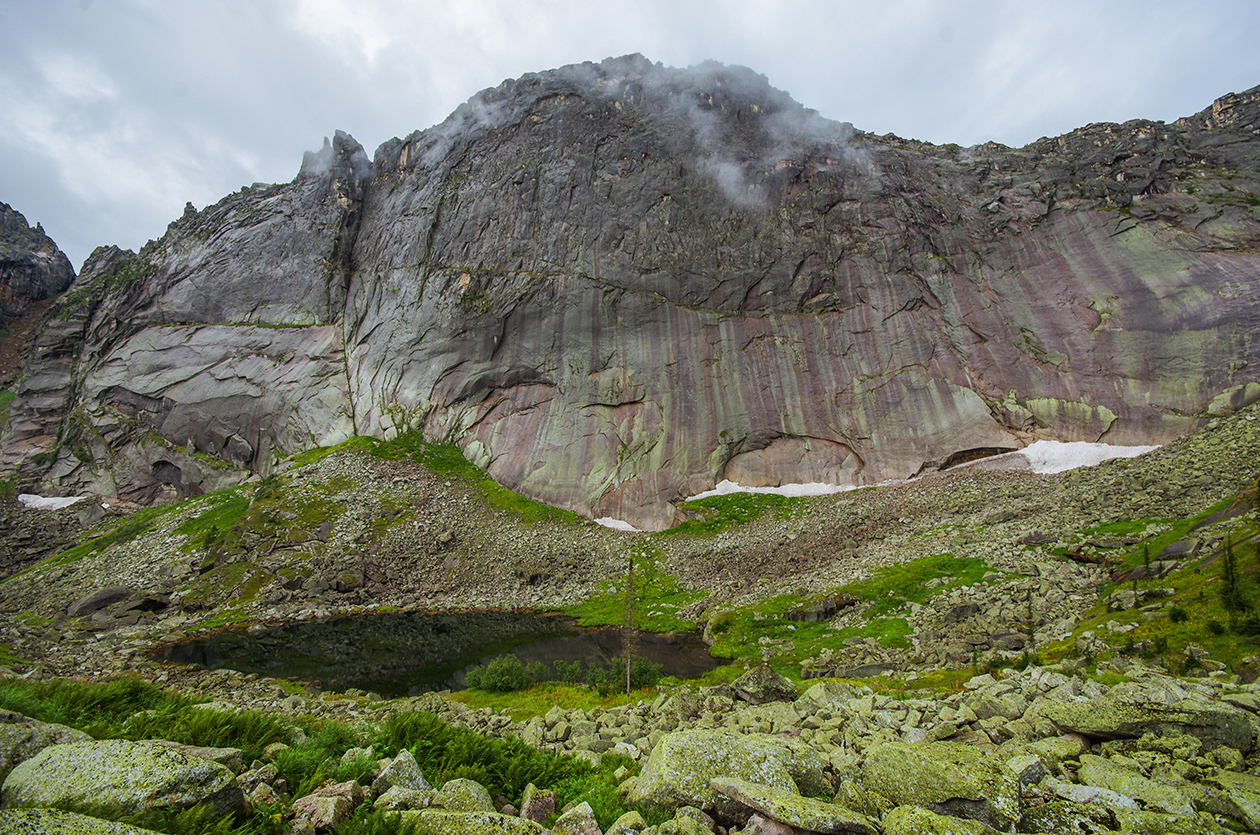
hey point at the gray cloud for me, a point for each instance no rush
(115, 113)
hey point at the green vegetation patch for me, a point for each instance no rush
(448, 461)
(657, 597)
(131, 708)
(6, 397)
(715, 514)
(1212, 600)
(766, 627)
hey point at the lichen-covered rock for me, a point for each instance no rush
(398, 798)
(681, 765)
(1243, 790)
(537, 804)
(793, 809)
(915, 820)
(630, 822)
(445, 822)
(462, 795)
(580, 820)
(22, 737)
(328, 807)
(1213, 725)
(57, 822)
(1108, 774)
(762, 684)
(402, 772)
(1067, 817)
(946, 778)
(130, 776)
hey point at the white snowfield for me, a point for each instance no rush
(1058, 457)
(1043, 457)
(47, 502)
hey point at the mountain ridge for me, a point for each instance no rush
(615, 284)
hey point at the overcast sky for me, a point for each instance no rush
(114, 113)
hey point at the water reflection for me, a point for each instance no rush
(407, 653)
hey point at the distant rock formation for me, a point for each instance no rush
(616, 284)
(32, 269)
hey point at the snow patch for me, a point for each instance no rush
(812, 488)
(1048, 457)
(616, 524)
(1044, 457)
(48, 502)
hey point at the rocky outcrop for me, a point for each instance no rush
(32, 268)
(616, 284)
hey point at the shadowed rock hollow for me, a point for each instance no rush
(615, 284)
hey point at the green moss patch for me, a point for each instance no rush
(712, 515)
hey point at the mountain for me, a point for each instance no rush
(614, 285)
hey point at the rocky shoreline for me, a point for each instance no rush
(1038, 750)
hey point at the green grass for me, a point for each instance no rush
(657, 597)
(6, 397)
(716, 514)
(740, 631)
(447, 460)
(1196, 592)
(130, 708)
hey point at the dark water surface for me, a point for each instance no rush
(406, 653)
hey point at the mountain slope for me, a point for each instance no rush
(615, 284)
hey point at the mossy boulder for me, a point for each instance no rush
(1244, 791)
(461, 795)
(446, 822)
(1214, 726)
(793, 809)
(946, 778)
(122, 775)
(57, 822)
(681, 765)
(915, 820)
(1108, 774)
(22, 738)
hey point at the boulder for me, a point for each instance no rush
(461, 795)
(580, 820)
(915, 820)
(1243, 790)
(230, 758)
(397, 798)
(946, 778)
(57, 822)
(537, 804)
(403, 772)
(97, 600)
(1107, 774)
(445, 822)
(762, 685)
(631, 823)
(681, 765)
(1213, 725)
(327, 808)
(130, 776)
(22, 738)
(791, 808)
(1066, 815)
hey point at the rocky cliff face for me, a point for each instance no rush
(32, 269)
(617, 284)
